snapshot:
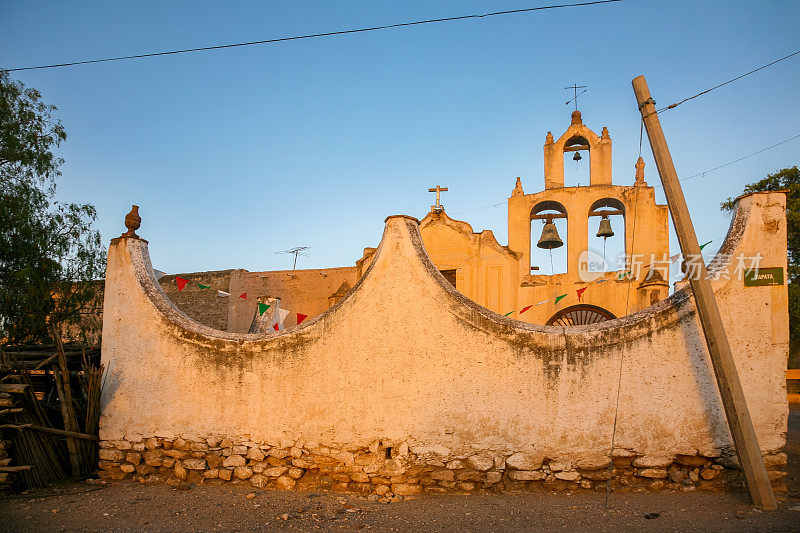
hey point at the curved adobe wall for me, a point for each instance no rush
(406, 359)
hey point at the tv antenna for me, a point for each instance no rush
(576, 94)
(297, 250)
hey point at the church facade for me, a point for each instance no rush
(516, 279)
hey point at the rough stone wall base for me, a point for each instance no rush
(386, 471)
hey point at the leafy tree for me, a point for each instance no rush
(49, 253)
(787, 179)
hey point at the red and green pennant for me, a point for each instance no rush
(181, 283)
(558, 298)
(243, 296)
(301, 317)
(508, 313)
(262, 308)
(706, 244)
(203, 286)
(580, 293)
(525, 309)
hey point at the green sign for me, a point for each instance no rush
(763, 276)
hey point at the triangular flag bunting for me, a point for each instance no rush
(543, 302)
(275, 326)
(706, 244)
(624, 274)
(674, 258)
(243, 296)
(580, 293)
(560, 298)
(223, 294)
(601, 281)
(159, 273)
(181, 283)
(301, 317)
(262, 308)
(282, 314)
(508, 313)
(525, 309)
(203, 286)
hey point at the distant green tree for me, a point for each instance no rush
(49, 253)
(787, 179)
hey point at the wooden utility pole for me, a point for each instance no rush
(730, 388)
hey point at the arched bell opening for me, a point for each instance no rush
(606, 232)
(548, 238)
(577, 157)
(579, 315)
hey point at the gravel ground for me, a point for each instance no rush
(127, 506)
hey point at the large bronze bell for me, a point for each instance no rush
(550, 238)
(577, 156)
(605, 228)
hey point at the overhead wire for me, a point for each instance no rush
(762, 67)
(315, 35)
(703, 173)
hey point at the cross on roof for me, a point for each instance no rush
(575, 96)
(438, 190)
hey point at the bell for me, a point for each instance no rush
(577, 156)
(550, 238)
(605, 228)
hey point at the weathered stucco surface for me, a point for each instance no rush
(405, 358)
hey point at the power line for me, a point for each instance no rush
(673, 106)
(737, 160)
(315, 35)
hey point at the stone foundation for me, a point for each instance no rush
(387, 471)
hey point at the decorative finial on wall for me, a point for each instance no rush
(604, 134)
(132, 221)
(576, 117)
(640, 172)
(518, 188)
(549, 138)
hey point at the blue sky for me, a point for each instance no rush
(235, 154)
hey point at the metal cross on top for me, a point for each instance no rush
(575, 96)
(438, 190)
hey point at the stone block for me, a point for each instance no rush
(225, 474)
(153, 457)
(213, 473)
(275, 471)
(523, 461)
(406, 489)
(470, 475)
(194, 464)
(259, 481)
(455, 464)
(568, 475)
(526, 475)
(493, 477)
(775, 461)
(443, 475)
(295, 473)
(127, 468)
(691, 460)
(239, 450)
(481, 462)
(255, 454)
(242, 472)
(152, 443)
(285, 483)
(214, 461)
(232, 461)
(133, 457)
(359, 477)
(653, 462)
(180, 471)
(116, 456)
(175, 453)
(556, 466)
(654, 473)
